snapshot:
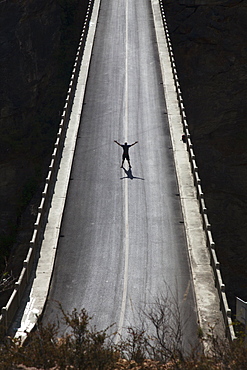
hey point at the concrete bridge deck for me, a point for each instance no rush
(206, 296)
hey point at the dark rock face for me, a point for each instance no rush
(30, 35)
(210, 48)
(38, 42)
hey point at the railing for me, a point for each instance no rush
(226, 311)
(9, 311)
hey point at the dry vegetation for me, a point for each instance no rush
(81, 346)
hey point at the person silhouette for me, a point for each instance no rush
(125, 147)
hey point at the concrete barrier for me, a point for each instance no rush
(9, 311)
(226, 312)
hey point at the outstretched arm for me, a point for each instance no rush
(115, 141)
(134, 143)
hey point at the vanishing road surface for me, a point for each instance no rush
(123, 242)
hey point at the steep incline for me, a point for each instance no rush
(122, 241)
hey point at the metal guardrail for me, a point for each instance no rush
(9, 311)
(226, 311)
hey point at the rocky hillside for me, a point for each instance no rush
(210, 48)
(38, 41)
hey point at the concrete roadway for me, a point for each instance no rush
(122, 241)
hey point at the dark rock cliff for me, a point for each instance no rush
(30, 33)
(210, 48)
(38, 42)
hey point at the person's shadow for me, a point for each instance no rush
(129, 175)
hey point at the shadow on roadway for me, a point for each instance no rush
(130, 175)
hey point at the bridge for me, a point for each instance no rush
(112, 240)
